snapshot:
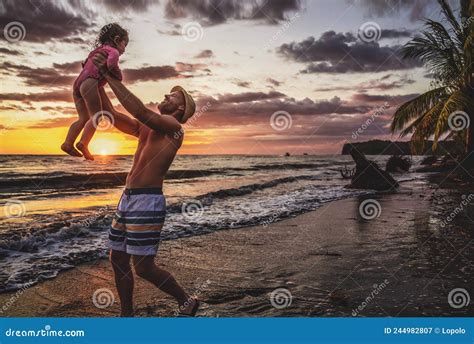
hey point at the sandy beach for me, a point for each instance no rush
(330, 261)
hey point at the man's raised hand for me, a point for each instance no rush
(100, 60)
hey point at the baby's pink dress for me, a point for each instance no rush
(89, 70)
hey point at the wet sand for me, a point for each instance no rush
(332, 261)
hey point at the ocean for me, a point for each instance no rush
(57, 209)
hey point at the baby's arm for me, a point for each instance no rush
(112, 63)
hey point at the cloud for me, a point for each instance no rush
(64, 74)
(69, 67)
(152, 73)
(394, 33)
(46, 20)
(248, 97)
(327, 117)
(205, 54)
(125, 6)
(27, 98)
(380, 84)
(175, 31)
(256, 108)
(244, 84)
(391, 99)
(343, 53)
(53, 123)
(274, 82)
(48, 77)
(417, 8)
(76, 40)
(190, 67)
(67, 110)
(12, 108)
(212, 12)
(2, 127)
(10, 52)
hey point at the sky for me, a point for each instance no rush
(268, 77)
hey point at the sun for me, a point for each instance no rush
(104, 146)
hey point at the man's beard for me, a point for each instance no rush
(167, 108)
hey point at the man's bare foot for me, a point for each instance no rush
(69, 149)
(189, 308)
(85, 151)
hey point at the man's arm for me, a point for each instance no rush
(120, 121)
(135, 106)
(138, 110)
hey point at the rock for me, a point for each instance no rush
(397, 163)
(429, 160)
(368, 175)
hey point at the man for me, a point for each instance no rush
(135, 231)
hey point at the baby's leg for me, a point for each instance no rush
(76, 127)
(90, 92)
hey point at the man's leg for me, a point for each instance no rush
(123, 281)
(145, 268)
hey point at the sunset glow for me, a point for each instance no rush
(241, 69)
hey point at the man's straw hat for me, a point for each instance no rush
(189, 105)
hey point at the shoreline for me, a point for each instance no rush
(330, 260)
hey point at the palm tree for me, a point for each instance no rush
(446, 50)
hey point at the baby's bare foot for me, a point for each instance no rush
(85, 151)
(69, 149)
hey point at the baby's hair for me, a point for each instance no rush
(108, 33)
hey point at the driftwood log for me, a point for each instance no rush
(368, 175)
(347, 173)
(398, 163)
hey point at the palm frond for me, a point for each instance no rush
(448, 13)
(460, 100)
(416, 107)
(422, 121)
(425, 128)
(446, 49)
(440, 56)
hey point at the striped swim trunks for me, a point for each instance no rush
(137, 224)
